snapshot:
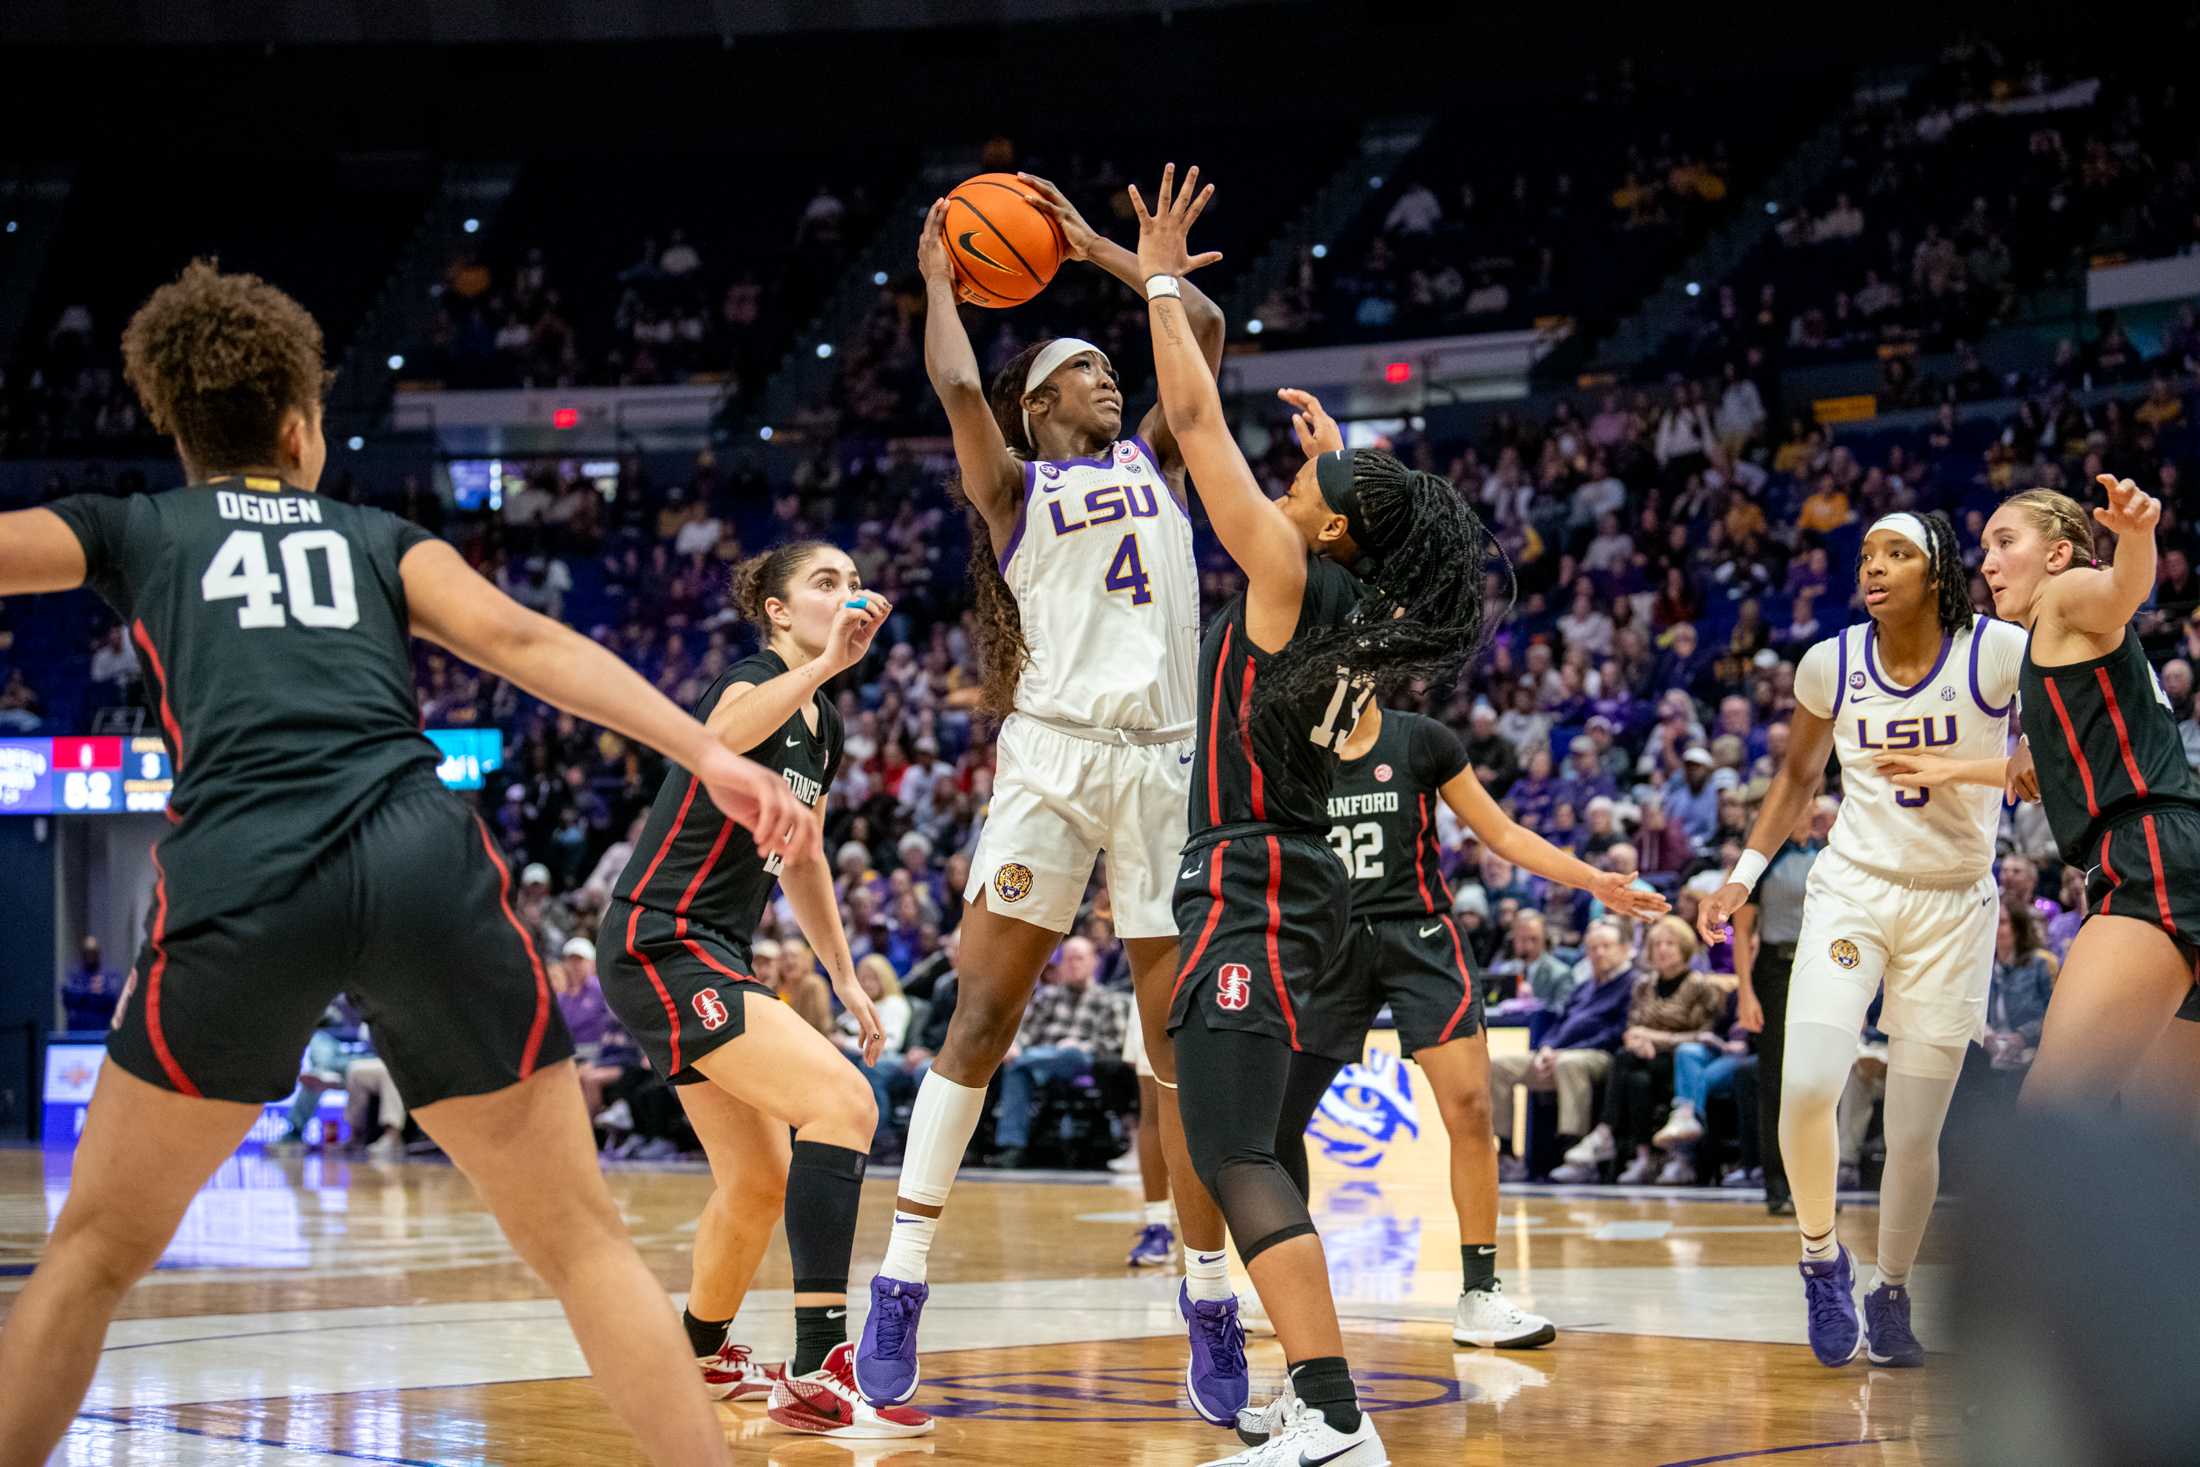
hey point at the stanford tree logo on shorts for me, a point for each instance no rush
(1233, 987)
(712, 1010)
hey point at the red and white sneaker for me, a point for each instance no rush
(827, 1403)
(734, 1375)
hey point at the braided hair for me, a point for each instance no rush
(2057, 517)
(1951, 579)
(999, 633)
(1423, 608)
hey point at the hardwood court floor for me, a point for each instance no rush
(327, 1311)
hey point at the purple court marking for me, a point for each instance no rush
(1138, 1394)
(1869, 1441)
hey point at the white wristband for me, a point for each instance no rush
(1158, 286)
(1748, 869)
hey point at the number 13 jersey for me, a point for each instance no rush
(1102, 569)
(1961, 710)
(271, 629)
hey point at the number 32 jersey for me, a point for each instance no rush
(272, 631)
(1383, 813)
(1102, 569)
(1961, 710)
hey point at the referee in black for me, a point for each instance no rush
(1765, 931)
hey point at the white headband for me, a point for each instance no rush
(1908, 526)
(1048, 361)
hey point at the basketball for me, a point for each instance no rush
(1005, 248)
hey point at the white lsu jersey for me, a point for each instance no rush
(1962, 709)
(1102, 568)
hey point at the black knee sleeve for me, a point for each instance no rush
(1232, 1094)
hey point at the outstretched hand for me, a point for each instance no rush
(1617, 890)
(1311, 424)
(2131, 510)
(1165, 229)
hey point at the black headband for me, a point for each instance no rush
(1333, 476)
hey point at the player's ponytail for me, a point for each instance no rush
(1424, 590)
(2057, 517)
(1951, 578)
(766, 577)
(999, 630)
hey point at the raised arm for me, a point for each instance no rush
(2102, 603)
(455, 608)
(1521, 846)
(1205, 317)
(1250, 525)
(749, 713)
(991, 475)
(38, 552)
(1802, 774)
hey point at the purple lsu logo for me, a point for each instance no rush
(1908, 733)
(1105, 506)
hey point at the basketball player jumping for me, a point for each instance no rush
(748, 1069)
(2122, 801)
(314, 851)
(1089, 597)
(1262, 900)
(1903, 895)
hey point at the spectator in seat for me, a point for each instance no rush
(2016, 1004)
(114, 667)
(21, 709)
(1496, 758)
(1668, 1007)
(1532, 972)
(600, 1047)
(1663, 846)
(1691, 799)
(876, 975)
(803, 987)
(1071, 1021)
(89, 991)
(1576, 1054)
(1826, 509)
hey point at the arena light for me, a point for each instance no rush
(472, 226)
(765, 433)
(1321, 252)
(355, 443)
(1397, 372)
(824, 350)
(1695, 287)
(1253, 327)
(563, 418)
(1772, 206)
(878, 277)
(11, 226)
(397, 362)
(1376, 181)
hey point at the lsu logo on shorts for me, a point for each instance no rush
(1844, 953)
(712, 1010)
(1012, 883)
(1233, 987)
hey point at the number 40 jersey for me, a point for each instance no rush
(1102, 569)
(271, 629)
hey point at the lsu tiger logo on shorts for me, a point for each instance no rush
(712, 1010)
(1233, 987)
(1845, 954)
(1012, 883)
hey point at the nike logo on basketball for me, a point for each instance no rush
(1431, 931)
(963, 240)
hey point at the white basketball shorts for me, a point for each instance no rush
(1933, 947)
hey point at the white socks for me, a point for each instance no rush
(1207, 1275)
(941, 1124)
(1160, 1214)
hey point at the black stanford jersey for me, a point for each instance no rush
(1382, 812)
(2105, 743)
(692, 861)
(1269, 770)
(275, 640)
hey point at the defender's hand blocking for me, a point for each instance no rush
(1715, 918)
(1049, 200)
(932, 261)
(1163, 231)
(1311, 424)
(758, 800)
(1916, 771)
(2131, 510)
(854, 626)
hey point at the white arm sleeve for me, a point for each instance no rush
(1815, 676)
(2000, 660)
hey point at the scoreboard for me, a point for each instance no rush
(130, 774)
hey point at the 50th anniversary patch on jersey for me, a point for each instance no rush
(1012, 883)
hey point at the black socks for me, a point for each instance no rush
(1326, 1385)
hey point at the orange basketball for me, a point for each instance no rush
(1005, 249)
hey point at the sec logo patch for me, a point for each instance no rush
(1233, 987)
(1012, 883)
(1845, 954)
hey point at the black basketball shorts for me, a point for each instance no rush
(2148, 866)
(1420, 967)
(412, 916)
(679, 988)
(1261, 918)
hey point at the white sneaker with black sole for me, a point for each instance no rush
(1307, 1440)
(1488, 1319)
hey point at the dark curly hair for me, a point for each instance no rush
(1000, 626)
(763, 577)
(218, 360)
(1423, 612)
(1946, 572)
